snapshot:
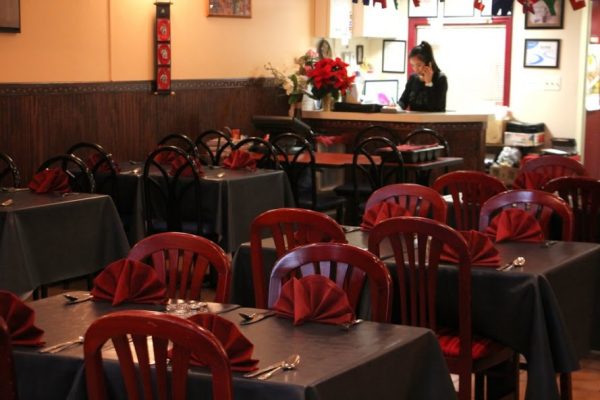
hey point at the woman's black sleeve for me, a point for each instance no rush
(403, 102)
(436, 95)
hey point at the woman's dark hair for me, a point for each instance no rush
(424, 52)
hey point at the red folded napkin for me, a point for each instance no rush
(179, 162)
(129, 281)
(20, 321)
(50, 180)
(314, 298)
(165, 157)
(238, 348)
(515, 224)
(413, 147)
(330, 140)
(380, 212)
(95, 158)
(240, 159)
(482, 250)
(531, 180)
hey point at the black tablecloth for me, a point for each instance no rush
(47, 238)
(545, 311)
(229, 203)
(371, 361)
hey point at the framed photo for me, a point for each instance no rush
(458, 8)
(230, 8)
(10, 16)
(542, 53)
(360, 54)
(394, 56)
(497, 8)
(545, 16)
(427, 8)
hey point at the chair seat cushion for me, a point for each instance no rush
(480, 347)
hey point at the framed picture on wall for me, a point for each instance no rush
(542, 53)
(230, 8)
(500, 8)
(426, 8)
(394, 56)
(10, 16)
(546, 15)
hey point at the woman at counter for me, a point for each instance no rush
(425, 89)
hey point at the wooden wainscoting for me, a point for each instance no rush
(38, 121)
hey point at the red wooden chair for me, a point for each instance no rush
(469, 190)
(289, 228)
(419, 200)
(185, 336)
(540, 204)
(583, 196)
(344, 264)
(8, 382)
(555, 166)
(182, 260)
(417, 268)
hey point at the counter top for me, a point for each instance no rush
(405, 116)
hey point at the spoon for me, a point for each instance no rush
(517, 262)
(290, 363)
(346, 326)
(246, 316)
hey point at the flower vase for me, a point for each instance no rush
(327, 103)
(295, 110)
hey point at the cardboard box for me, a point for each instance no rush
(523, 139)
(505, 173)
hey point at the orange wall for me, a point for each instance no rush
(111, 40)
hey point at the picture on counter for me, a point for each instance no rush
(394, 55)
(495, 8)
(542, 53)
(426, 8)
(547, 14)
(458, 8)
(324, 49)
(230, 8)
(10, 16)
(360, 54)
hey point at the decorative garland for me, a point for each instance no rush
(478, 4)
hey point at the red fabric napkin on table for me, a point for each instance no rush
(240, 159)
(515, 224)
(314, 298)
(95, 158)
(20, 321)
(129, 281)
(238, 348)
(180, 161)
(482, 250)
(50, 180)
(531, 180)
(380, 212)
(413, 147)
(165, 157)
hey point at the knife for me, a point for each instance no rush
(258, 317)
(263, 370)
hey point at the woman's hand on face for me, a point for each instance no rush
(427, 74)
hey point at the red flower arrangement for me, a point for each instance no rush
(329, 76)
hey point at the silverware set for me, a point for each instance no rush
(516, 263)
(284, 365)
(62, 346)
(248, 319)
(72, 299)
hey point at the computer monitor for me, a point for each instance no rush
(382, 92)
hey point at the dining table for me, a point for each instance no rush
(231, 199)
(369, 361)
(47, 238)
(548, 310)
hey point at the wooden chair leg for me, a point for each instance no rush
(566, 386)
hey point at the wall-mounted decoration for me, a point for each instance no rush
(162, 39)
(542, 53)
(360, 54)
(230, 8)
(10, 16)
(422, 8)
(394, 56)
(458, 8)
(592, 78)
(545, 14)
(495, 8)
(324, 49)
